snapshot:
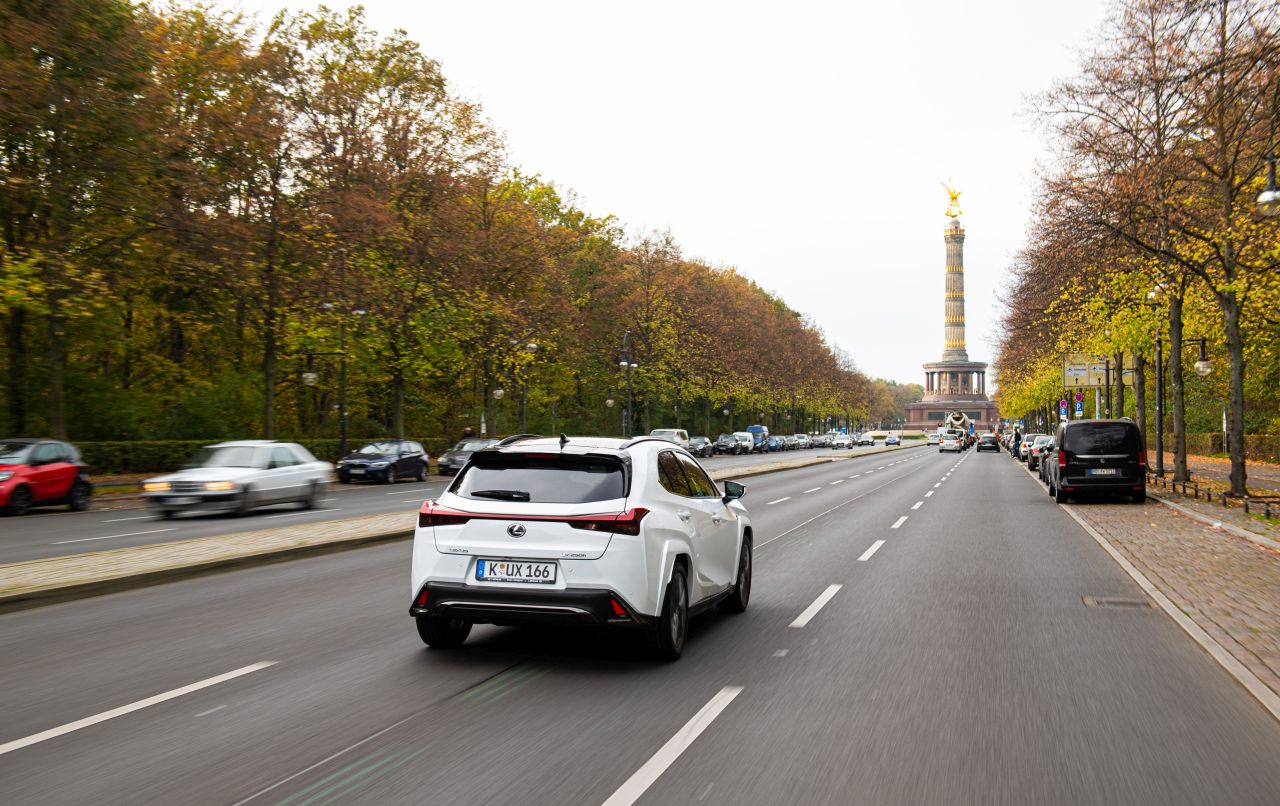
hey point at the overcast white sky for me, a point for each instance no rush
(801, 142)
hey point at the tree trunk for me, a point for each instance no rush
(1118, 411)
(1180, 472)
(397, 402)
(1140, 394)
(56, 359)
(1235, 396)
(15, 328)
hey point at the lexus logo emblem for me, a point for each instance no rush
(516, 530)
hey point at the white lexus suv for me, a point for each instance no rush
(582, 530)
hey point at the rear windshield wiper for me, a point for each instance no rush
(505, 495)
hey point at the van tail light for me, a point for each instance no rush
(624, 523)
(1142, 458)
(421, 601)
(618, 610)
(433, 514)
(1062, 458)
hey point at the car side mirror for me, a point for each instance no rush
(733, 491)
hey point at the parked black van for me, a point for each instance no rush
(1097, 456)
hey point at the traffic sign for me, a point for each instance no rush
(1079, 406)
(1079, 397)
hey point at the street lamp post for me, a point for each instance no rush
(627, 362)
(1269, 198)
(524, 391)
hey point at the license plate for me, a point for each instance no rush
(182, 501)
(515, 571)
(1103, 471)
(356, 471)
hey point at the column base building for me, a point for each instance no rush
(955, 383)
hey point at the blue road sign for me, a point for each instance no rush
(1079, 408)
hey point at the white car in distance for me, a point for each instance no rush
(583, 530)
(238, 476)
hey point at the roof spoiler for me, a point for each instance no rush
(514, 438)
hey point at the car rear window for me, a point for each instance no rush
(1095, 438)
(542, 479)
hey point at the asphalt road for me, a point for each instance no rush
(956, 663)
(56, 532)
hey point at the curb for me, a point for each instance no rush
(1267, 698)
(55, 593)
(27, 600)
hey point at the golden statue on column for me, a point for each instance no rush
(953, 209)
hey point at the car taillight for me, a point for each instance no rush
(1142, 457)
(421, 601)
(624, 523)
(432, 514)
(1062, 458)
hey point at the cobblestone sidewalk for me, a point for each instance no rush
(1228, 585)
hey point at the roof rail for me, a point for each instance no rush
(646, 438)
(514, 438)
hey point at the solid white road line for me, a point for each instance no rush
(819, 603)
(899, 522)
(866, 555)
(36, 738)
(112, 537)
(779, 501)
(657, 764)
(917, 505)
(814, 490)
(138, 518)
(305, 512)
(926, 495)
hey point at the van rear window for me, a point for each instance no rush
(1097, 438)
(541, 479)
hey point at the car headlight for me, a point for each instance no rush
(341, 463)
(156, 487)
(219, 486)
(379, 464)
(5, 475)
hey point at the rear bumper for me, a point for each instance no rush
(1086, 484)
(582, 606)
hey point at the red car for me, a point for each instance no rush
(37, 472)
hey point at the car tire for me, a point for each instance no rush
(1059, 496)
(165, 514)
(80, 497)
(20, 501)
(390, 476)
(1140, 498)
(344, 479)
(421, 475)
(442, 633)
(245, 503)
(667, 639)
(313, 497)
(741, 596)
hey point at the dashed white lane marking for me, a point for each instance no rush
(305, 512)
(211, 710)
(819, 603)
(917, 505)
(137, 518)
(814, 490)
(936, 486)
(652, 769)
(926, 495)
(869, 472)
(899, 522)
(855, 475)
(837, 481)
(780, 653)
(779, 501)
(112, 537)
(881, 467)
(402, 492)
(36, 738)
(866, 555)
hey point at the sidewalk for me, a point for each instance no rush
(1262, 478)
(1228, 585)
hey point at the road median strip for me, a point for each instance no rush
(58, 579)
